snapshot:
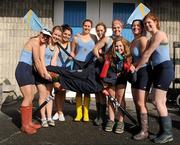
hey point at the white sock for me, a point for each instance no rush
(49, 119)
(43, 119)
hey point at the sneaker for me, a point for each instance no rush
(51, 123)
(44, 123)
(119, 127)
(109, 126)
(61, 117)
(56, 116)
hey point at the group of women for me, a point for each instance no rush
(115, 59)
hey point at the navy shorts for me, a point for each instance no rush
(163, 74)
(39, 80)
(24, 74)
(144, 79)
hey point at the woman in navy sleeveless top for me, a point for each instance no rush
(163, 74)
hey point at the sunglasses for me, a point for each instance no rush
(46, 36)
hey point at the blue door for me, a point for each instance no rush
(75, 14)
(122, 11)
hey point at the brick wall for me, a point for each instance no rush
(14, 33)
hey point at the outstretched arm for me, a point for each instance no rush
(98, 47)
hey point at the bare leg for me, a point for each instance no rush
(42, 97)
(120, 95)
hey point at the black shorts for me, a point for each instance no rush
(144, 79)
(124, 78)
(79, 65)
(39, 80)
(24, 74)
(163, 74)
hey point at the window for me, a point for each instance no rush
(74, 13)
(122, 11)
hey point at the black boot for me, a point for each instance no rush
(97, 120)
(103, 114)
(166, 135)
(153, 136)
(143, 134)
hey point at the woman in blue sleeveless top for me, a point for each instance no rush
(44, 87)
(82, 46)
(25, 78)
(61, 59)
(163, 74)
(141, 87)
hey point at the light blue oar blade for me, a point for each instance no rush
(139, 13)
(33, 21)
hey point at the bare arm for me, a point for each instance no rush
(42, 58)
(38, 61)
(99, 46)
(36, 58)
(73, 46)
(143, 44)
(155, 42)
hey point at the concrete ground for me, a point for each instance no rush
(78, 133)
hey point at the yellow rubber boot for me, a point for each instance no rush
(78, 109)
(86, 109)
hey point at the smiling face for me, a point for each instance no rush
(87, 27)
(119, 47)
(137, 27)
(151, 23)
(56, 35)
(44, 38)
(117, 27)
(66, 35)
(100, 30)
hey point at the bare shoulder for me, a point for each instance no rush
(29, 44)
(35, 43)
(162, 36)
(143, 38)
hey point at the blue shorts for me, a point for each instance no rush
(24, 74)
(163, 74)
(144, 79)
